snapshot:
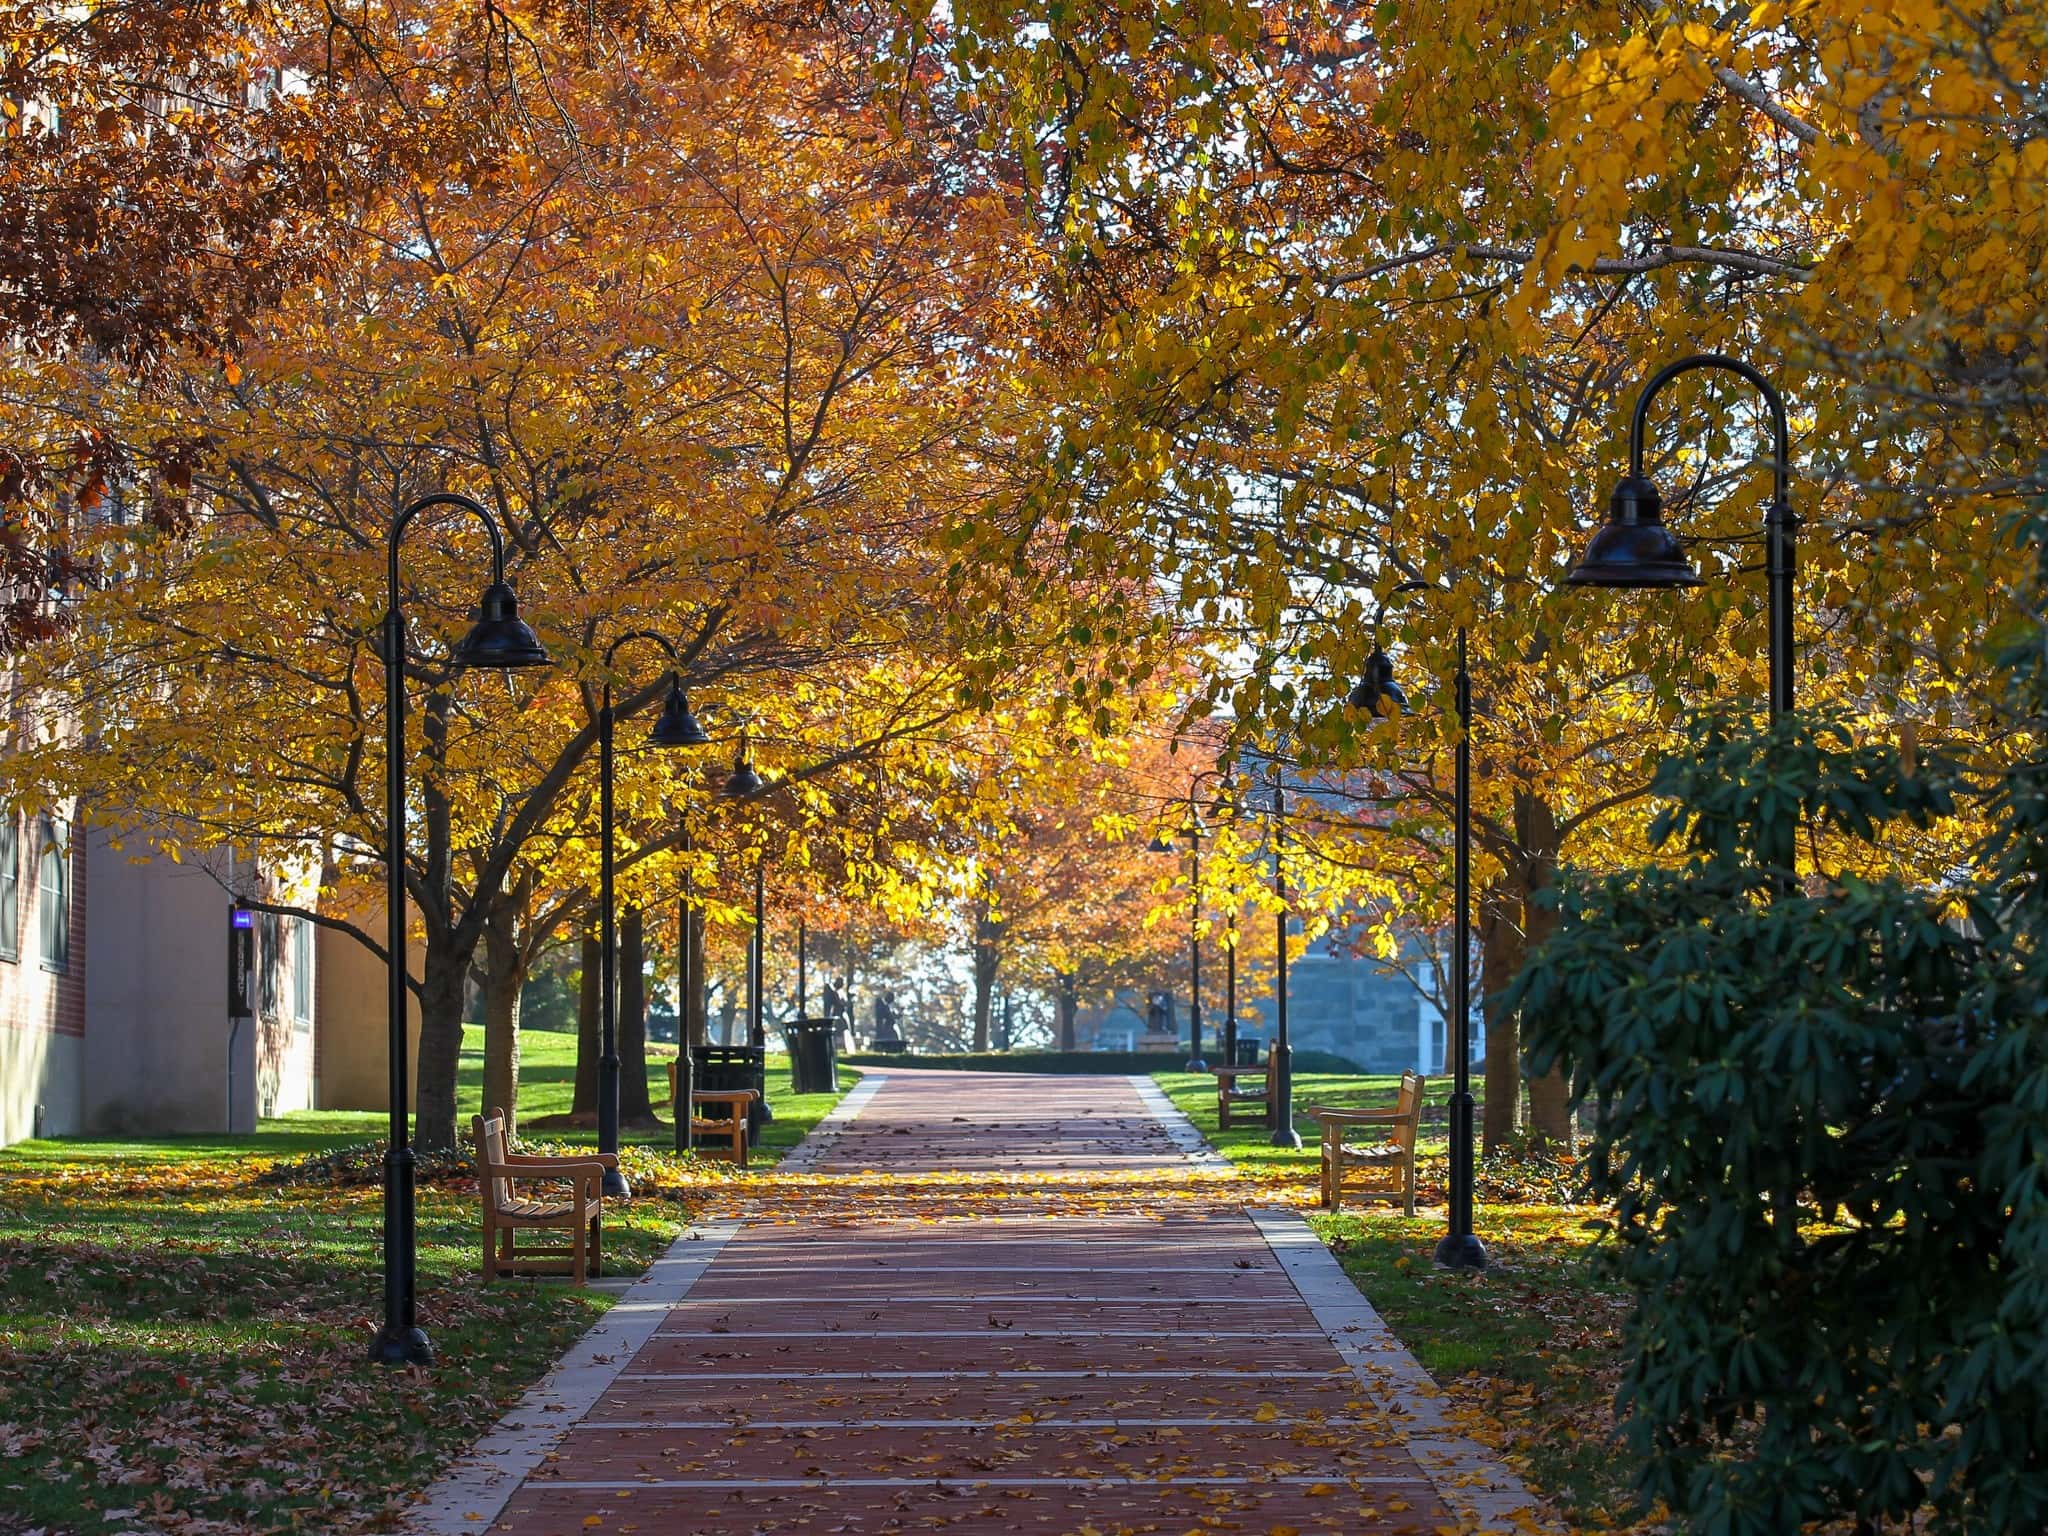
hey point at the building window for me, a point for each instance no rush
(269, 964)
(10, 889)
(53, 895)
(302, 971)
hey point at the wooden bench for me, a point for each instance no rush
(1231, 1096)
(1397, 1151)
(580, 1217)
(731, 1125)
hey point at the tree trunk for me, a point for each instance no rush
(1070, 1008)
(1550, 1115)
(1500, 956)
(635, 1108)
(504, 977)
(440, 1048)
(589, 1026)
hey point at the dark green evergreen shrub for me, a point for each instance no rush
(1820, 1116)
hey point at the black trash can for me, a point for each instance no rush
(1247, 1051)
(715, 1067)
(813, 1055)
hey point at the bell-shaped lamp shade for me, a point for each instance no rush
(1633, 547)
(1160, 843)
(1377, 691)
(677, 727)
(500, 638)
(743, 780)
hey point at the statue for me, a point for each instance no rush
(886, 1038)
(1159, 1025)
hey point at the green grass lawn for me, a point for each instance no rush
(182, 1343)
(1531, 1345)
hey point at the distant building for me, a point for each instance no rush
(1337, 1002)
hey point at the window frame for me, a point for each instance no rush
(299, 951)
(53, 838)
(10, 888)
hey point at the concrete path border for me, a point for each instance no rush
(469, 1495)
(804, 1156)
(1469, 1478)
(477, 1485)
(1180, 1130)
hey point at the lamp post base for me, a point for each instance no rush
(615, 1185)
(1461, 1250)
(396, 1345)
(1196, 1064)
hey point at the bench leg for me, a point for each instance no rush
(739, 1140)
(597, 1245)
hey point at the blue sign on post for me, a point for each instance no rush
(241, 960)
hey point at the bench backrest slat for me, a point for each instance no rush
(1409, 1106)
(490, 1160)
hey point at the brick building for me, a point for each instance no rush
(42, 971)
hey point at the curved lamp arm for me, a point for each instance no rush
(1781, 436)
(667, 646)
(415, 507)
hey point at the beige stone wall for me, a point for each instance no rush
(353, 1056)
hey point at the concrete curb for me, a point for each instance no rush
(469, 1495)
(805, 1155)
(1180, 1130)
(1470, 1478)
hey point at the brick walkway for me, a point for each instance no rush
(1080, 1357)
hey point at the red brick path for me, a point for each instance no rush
(1061, 1373)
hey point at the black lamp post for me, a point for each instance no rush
(677, 727)
(1280, 1058)
(1163, 844)
(1379, 693)
(1230, 984)
(757, 1029)
(686, 981)
(743, 784)
(1634, 548)
(498, 639)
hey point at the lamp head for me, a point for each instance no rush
(1160, 843)
(743, 781)
(1633, 548)
(1377, 691)
(677, 727)
(500, 638)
